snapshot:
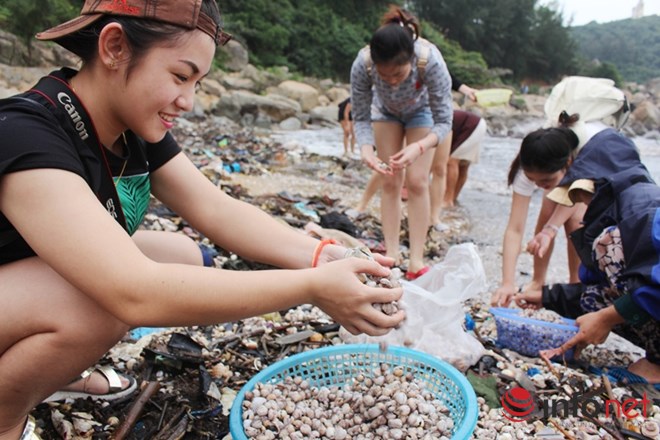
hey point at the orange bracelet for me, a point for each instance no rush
(421, 149)
(319, 249)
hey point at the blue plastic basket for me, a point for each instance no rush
(527, 336)
(340, 364)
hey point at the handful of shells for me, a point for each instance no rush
(392, 281)
(387, 404)
(543, 315)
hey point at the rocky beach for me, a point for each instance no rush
(239, 135)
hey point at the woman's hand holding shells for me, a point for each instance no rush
(335, 252)
(339, 291)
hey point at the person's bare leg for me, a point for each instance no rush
(389, 136)
(373, 185)
(418, 211)
(51, 320)
(164, 247)
(417, 182)
(452, 183)
(347, 133)
(439, 177)
(352, 136)
(463, 167)
(168, 247)
(51, 332)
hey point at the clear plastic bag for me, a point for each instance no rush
(434, 310)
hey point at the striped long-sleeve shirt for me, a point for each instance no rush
(371, 95)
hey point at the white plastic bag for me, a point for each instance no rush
(434, 310)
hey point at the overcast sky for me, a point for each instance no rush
(601, 11)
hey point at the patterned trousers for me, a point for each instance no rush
(608, 252)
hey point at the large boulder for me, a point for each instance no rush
(337, 94)
(205, 103)
(237, 82)
(306, 95)
(326, 115)
(236, 104)
(14, 52)
(213, 87)
(648, 115)
(21, 78)
(237, 56)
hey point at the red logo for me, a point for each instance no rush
(121, 7)
(517, 404)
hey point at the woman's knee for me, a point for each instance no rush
(439, 168)
(417, 185)
(169, 247)
(91, 330)
(391, 183)
(50, 305)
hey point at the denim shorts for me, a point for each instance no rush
(421, 118)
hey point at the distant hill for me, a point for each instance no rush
(632, 45)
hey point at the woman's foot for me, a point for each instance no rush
(410, 275)
(646, 369)
(94, 383)
(98, 383)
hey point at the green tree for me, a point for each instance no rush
(602, 70)
(457, 20)
(325, 43)
(311, 37)
(263, 25)
(24, 18)
(508, 33)
(632, 45)
(552, 50)
(469, 67)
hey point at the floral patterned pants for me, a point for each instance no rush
(608, 252)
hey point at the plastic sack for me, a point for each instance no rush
(594, 99)
(434, 310)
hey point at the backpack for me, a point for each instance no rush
(422, 59)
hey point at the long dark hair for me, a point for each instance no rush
(546, 150)
(394, 41)
(141, 34)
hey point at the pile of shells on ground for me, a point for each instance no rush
(190, 376)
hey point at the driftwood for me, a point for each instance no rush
(135, 411)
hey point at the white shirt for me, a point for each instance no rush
(584, 131)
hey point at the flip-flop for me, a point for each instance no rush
(410, 276)
(441, 227)
(115, 390)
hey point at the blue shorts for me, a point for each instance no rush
(421, 118)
